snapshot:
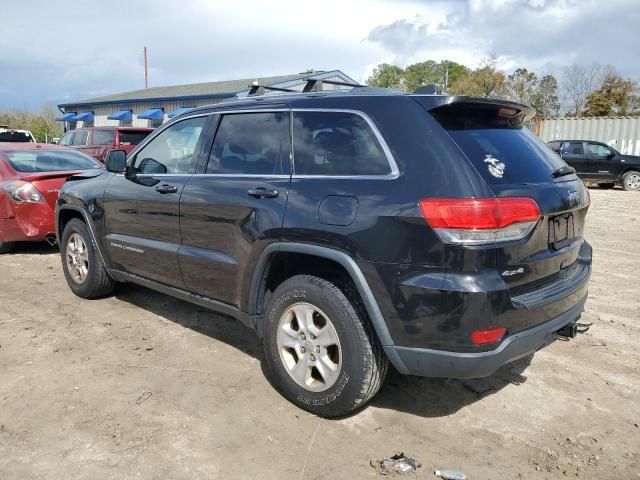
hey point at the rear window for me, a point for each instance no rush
(49, 160)
(103, 137)
(131, 138)
(501, 149)
(13, 136)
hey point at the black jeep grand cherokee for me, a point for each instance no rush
(349, 230)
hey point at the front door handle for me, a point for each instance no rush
(167, 188)
(262, 192)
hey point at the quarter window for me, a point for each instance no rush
(252, 144)
(336, 143)
(173, 151)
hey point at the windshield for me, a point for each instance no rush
(50, 160)
(15, 136)
(132, 138)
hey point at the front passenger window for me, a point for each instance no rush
(173, 151)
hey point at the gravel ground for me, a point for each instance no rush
(140, 385)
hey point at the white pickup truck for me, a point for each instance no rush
(13, 135)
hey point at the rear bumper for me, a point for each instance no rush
(32, 222)
(437, 363)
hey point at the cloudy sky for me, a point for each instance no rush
(57, 51)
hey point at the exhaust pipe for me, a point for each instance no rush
(51, 240)
(568, 331)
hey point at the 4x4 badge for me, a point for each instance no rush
(496, 167)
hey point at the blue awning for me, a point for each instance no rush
(122, 115)
(179, 111)
(66, 117)
(82, 117)
(152, 114)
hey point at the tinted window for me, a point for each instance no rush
(173, 150)
(598, 150)
(13, 136)
(80, 138)
(336, 143)
(251, 144)
(131, 138)
(66, 139)
(573, 148)
(50, 160)
(103, 137)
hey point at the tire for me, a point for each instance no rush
(6, 247)
(89, 279)
(351, 347)
(606, 186)
(631, 181)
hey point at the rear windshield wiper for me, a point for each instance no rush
(562, 171)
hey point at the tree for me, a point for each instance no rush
(579, 81)
(545, 97)
(522, 85)
(616, 96)
(42, 124)
(387, 76)
(485, 81)
(441, 74)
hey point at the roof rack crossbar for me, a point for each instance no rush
(338, 82)
(255, 90)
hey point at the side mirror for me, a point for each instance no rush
(611, 155)
(116, 161)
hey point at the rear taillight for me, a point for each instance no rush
(478, 221)
(22, 192)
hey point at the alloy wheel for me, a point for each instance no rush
(309, 347)
(633, 181)
(77, 258)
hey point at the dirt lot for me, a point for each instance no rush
(144, 386)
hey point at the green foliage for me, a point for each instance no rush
(41, 124)
(616, 96)
(442, 74)
(485, 81)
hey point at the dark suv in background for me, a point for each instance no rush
(598, 163)
(99, 141)
(349, 230)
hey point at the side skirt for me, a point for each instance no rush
(225, 309)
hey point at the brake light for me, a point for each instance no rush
(22, 192)
(485, 337)
(477, 221)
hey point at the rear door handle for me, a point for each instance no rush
(262, 192)
(167, 188)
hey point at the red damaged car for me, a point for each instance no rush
(30, 178)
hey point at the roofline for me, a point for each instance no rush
(287, 83)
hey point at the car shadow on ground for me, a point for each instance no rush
(33, 248)
(426, 397)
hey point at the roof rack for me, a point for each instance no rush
(312, 85)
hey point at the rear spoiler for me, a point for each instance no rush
(437, 103)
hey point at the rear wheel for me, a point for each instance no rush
(631, 181)
(321, 352)
(81, 263)
(606, 186)
(6, 247)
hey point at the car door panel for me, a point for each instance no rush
(142, 208)
(574, 154)
(230, 214)
(603, 165)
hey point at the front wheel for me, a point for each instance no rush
(81, 263)
(631, 181)
(6, 247)
(321, 351)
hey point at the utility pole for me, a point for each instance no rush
(146, 76)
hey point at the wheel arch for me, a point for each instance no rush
(261, 273)
(67, 212)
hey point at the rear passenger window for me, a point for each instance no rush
(80, 138)
(336, 143)
(103, 137)
(574, 148)
(252, 144)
